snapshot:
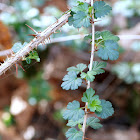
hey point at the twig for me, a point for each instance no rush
(73, 37)
(42, 36)
(127, 37)
(90, 68)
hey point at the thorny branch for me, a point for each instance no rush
(40, 38)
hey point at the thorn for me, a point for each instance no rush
(32, 29)
(34, 35)
(30, 48)
(16, 69)
(49, 39)
(43, 44)
(45, 41)
(22, 67)
(56, 18)
(35, 47)
(55, 32)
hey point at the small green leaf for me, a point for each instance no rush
(90, 9)
(79, 126)
(109, 50)
(97, 67)
(74, 134)
(81, 19)
(17, 46)
(73, 112)
(107, 35)
(88, 95)
(95, 105)
(72, 123)
(101, 9)
(32, 55)
(79, 68)
(88, 76)
(71, 81)
(107, 110)
(81, 7)
(94, 123)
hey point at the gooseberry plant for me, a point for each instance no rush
(104, 43)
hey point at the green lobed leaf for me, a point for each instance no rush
(97, 67)
(95, 104)
(81, 7)
(72, 123)
(107, 35)
(88, 95)
(94, 123)
(79, 68)
(17, 46)
(32, 55)
(109, 50)
(74, 134)
(73, 112)
(107, 110)
(81, 19)
(101, 9)
(88, 76)
(71, 81)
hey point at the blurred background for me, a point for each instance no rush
(32, 102)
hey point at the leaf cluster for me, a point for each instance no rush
(71, 79)
(94, 103)
(106, 44)
(82, 13)
(75, 114)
